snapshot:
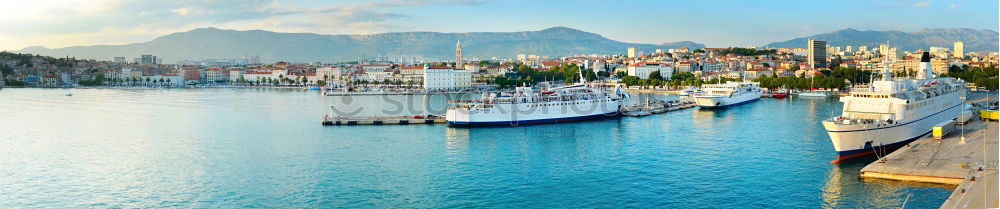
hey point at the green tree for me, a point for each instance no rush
(655, 75)
(603, 74)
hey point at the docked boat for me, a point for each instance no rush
(814, 94)
(893, 112)
(780, 95)
(526, 106)
(812, 91)
(728, 94)
(689, 91)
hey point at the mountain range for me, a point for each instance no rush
(974, 40)
(213, 43)
(270, 46)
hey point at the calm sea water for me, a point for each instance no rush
(265, 148)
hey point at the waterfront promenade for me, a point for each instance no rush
(971, 164)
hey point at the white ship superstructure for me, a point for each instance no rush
(526, 106)
(893, 112)
(728, 94)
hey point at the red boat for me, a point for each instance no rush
(780, 95)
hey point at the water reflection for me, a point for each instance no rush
(226, 148)
(456, 139)
(844, 189)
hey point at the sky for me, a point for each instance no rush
(716, 23)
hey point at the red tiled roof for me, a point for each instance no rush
(414, 67)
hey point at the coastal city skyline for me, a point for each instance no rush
(759, 24)
(499, 104)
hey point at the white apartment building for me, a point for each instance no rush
(215, 75)
(643, 69)
(331, 73)
(443, 77)
(235, 74)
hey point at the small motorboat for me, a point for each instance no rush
(69, 94)
(813, 94)
(780, 95)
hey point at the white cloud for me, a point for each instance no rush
(61, 23)
(923, 4)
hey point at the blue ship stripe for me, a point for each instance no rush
(865, 150)
(539, 121)
(901, 124)
(728, 105)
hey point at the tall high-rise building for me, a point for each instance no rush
(817, 53)
(849, 49)
(883, 49)
(459, 64)
(633, 52)
(148, 59)
(862, 48)
(119, 60)
(959, 51)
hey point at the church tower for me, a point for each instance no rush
(459, 64)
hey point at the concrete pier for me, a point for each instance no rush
(951, 160)
(658, 107)
(382, 120)
(653, 91)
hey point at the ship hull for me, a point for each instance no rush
(536, 113)
(536, 121)
(853, 141)
(710, 102)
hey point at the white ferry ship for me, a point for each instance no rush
(893, 112)
(525, 106)
(728, 94)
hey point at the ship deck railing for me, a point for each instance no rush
(514, 101)
(839, 120)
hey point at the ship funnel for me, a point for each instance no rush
(925, 67)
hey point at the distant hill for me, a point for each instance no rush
(206, 43)
(975, 40)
